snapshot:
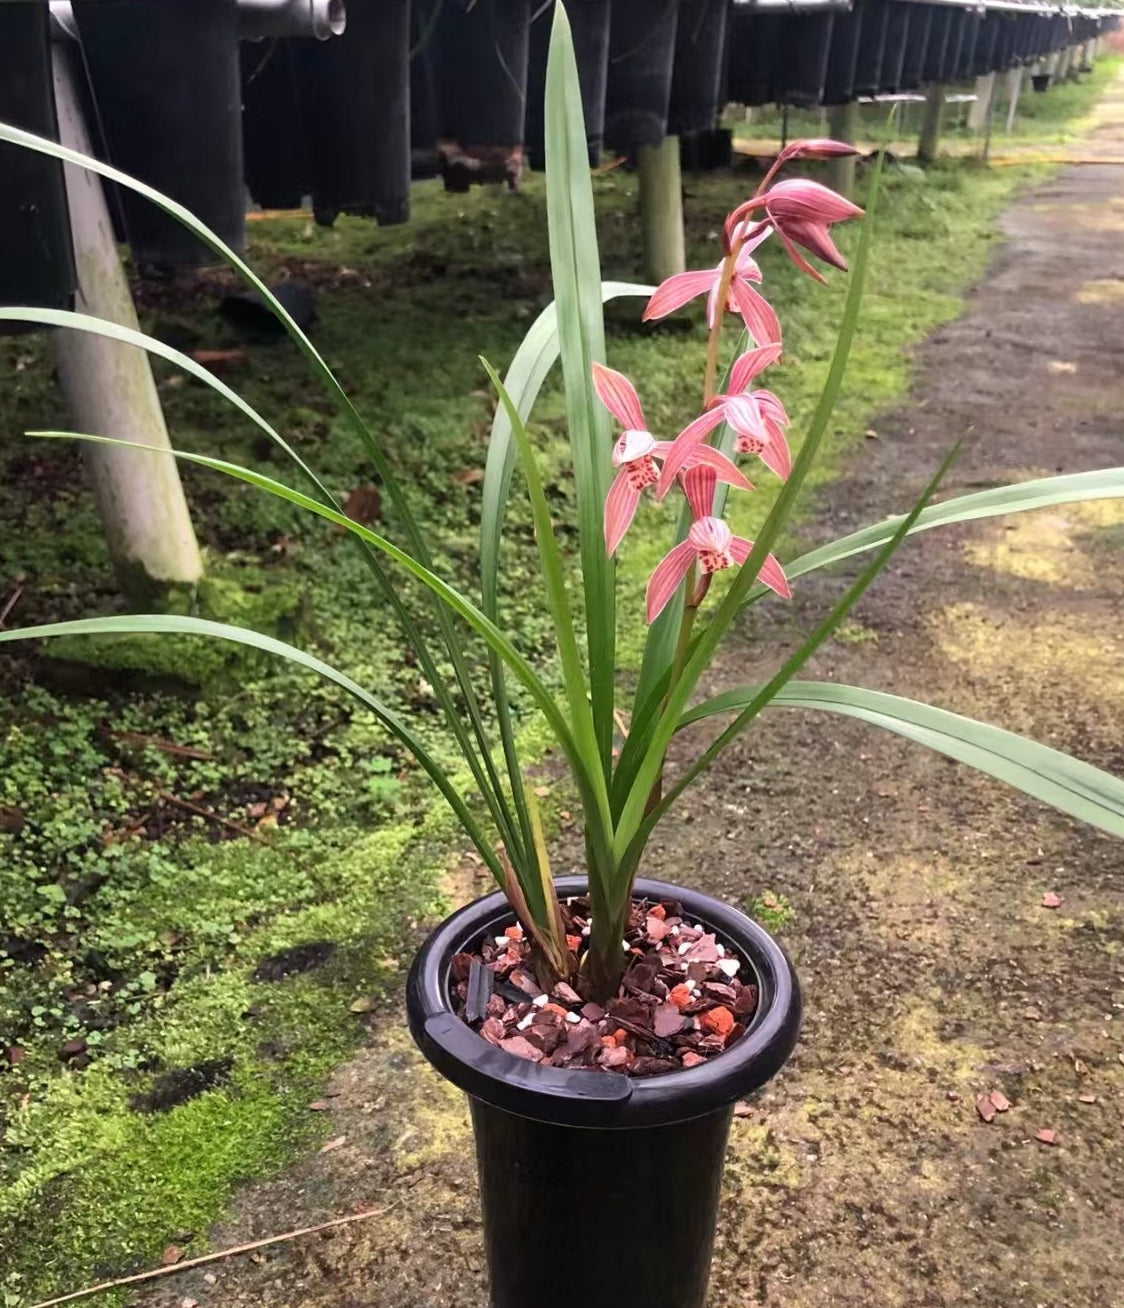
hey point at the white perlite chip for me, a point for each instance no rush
(729, 965)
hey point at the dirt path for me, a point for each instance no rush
(933, 973)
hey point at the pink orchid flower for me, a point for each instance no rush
(758, 419)
(801, 212)
(635, 454)
(711, 544)
(758, 314)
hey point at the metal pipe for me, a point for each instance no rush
(258, 19)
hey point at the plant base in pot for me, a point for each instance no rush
(593, 1183)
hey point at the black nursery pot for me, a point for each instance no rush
(593, 1174)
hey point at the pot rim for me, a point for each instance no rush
(575, 1097)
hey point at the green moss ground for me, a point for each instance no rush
(137, 927)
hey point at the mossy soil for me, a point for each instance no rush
(213, 868)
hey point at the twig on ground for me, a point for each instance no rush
(209, 813)
(167, 746)
(150, 1275)
(11, 602)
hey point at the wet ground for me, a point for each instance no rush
(934, 974)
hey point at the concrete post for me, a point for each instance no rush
(110, 391)
(842, 125)
(661, 209)
(980, 108)
(1014, 86)
(928, 144)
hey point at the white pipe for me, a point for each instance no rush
(257, 19)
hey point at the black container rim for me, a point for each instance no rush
(583, 1098)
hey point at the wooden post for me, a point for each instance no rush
(110, 391)
(661, 209)
(1014, 89)
(842, 125)
(929, 142)
(980, 110)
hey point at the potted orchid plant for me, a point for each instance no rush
(603, 1025)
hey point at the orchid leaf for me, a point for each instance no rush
(577, 288)
(1066, 783)
(536, 356)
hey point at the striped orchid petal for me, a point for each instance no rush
(620, 509)
(684, 445)
(724, 467)
(618, 395)
(668, 577)
(771, 574)
(751, 364)
(760, 318)
(679, 290)
(699, 483)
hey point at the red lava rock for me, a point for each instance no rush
(690, 1059)
(986, 1108)
(1000, 1100)
(658, 910)
(524, 981)
(704, 950)
(656, 928)
(1047, 1137)
(493, 1030)
(565, 994)
(653, 1066)
(573, 943)
(461, 966)
(718, 1021)
(513, 932)
(593, 1012)
(680, 996)
(522, 1048)
(1051, 899)
(614, 1056)
(580, 1039)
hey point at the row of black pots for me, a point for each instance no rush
(592, 1179)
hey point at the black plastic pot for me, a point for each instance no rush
(641, 60)
(917, 47)
(1040, 81)
(898, 31)
(355, 91)
(165, 78)
(872, 45)
(755, 41)
(589, 26)
(37, 264)
(570, 1162)
(846, 33)
(274, 135)
(698, 73)
(481, 51)
(804, 58)
(938, 56)
(987, 40)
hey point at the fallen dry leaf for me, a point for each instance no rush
(171, 1255)
(319, 1106)
(1086, 1099)
(333, 1144)
(542, 791)
(1051, 899)
(742, 1109)
(469, 476)
(986, 1108)
(363, 1004)
(1047, 1137)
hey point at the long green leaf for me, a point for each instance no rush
(393, 488)
(577, 288)
(705, 644)
(591, 778)
(448, 595)
(536, 355)
(484, 776)
(169, 624)
(1103, 484)
(1076, 788)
